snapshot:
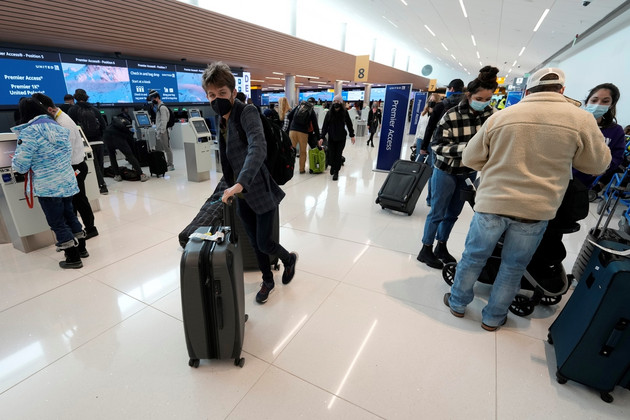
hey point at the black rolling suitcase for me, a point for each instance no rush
(591, 336)
(403, 185)
(142, 152)
(213, 302)
(157, 163)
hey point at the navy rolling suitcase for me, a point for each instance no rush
(591, 336)
(157, 163)
(403, 185)
(213, 302)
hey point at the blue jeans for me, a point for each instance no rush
(259, 228)
(61, 218)
(519, 245)
(429, 161)
(446, 205)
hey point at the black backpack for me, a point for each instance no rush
(302, 115)
(171, 117)
(280, 159)
(89, 123)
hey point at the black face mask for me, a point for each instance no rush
(154, 101)
(221, 106)
(336, 107)
(431, 104)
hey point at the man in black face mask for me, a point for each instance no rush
(162, 138)
(333, 126)
(243, 150)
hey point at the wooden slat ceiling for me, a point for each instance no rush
(170, 30)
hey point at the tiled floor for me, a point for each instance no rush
(361, 333)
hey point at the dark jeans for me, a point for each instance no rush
(80, 201)
(121, 144)
(61, 218)
(259, 230)
(335, 151)
(99, 154)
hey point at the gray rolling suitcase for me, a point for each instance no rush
(213, 302)
(403, 185)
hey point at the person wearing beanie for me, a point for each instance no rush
(375, 116)
(525, 154)
(334, 128)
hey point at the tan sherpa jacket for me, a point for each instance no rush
(525, 154)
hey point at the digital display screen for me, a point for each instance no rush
(200, 127)
(143, 120)
(323, 95)
(7, 149)
(352, 95)
(195, 114)
(377, 94)
(106, 80)
(189, 84)
(146, 76)
(25, 72)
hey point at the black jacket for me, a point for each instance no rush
(438, 112)
(73, 112)
(295, 126)
(334, 125)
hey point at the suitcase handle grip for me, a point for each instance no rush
(219, 313)
(614, 338)
(229, 217)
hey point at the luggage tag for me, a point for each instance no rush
(217, 237)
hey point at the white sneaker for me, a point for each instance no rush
(171, 168)
(143, 178)
(117, 178)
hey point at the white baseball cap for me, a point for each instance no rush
(534, 79)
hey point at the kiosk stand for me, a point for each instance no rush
(26, 227)
(198, 150)
(144, 129)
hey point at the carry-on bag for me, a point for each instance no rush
(316, 160)
(403, 185)
(157, 163)
(213, 302)
(591, 336)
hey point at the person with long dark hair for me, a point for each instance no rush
(333, 127)
(601, 102)
(44, 151)
(453, 132)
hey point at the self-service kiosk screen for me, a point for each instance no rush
(195, 114)
(200, 127)
(143, 120)
(7, 149)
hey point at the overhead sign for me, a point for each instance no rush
(393, 127)
(146, 76)
(361, 67)
(500, 80)
(432, 85)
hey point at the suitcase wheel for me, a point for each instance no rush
(522, 306)
(561, 379)
(239, 361)
(606, 397)
(193, 363)
(550, 300)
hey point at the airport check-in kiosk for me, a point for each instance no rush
(199, 150)
(144, 128)
(26, 227)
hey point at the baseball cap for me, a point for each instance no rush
(534, 79)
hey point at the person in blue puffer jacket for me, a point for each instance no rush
(43, 147)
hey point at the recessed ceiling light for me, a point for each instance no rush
(429, 29)
(453, 57)
(461, 3)
(521, 53)
(444, 46)
(404, 2)
(540, 21)
(307, 77)
(427, 50)
(275, 72)
(473, 40)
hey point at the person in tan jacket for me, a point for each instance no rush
(525, 154)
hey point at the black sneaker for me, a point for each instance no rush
(104, 190)
(289, 270)
(263, 293)
(91, 232)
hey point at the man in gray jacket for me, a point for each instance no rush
(162, 137)
(525, 154)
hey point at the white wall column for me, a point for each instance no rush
(338, 87)
(289, 89)
(366, 94)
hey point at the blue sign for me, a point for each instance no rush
(146, 76)
(393, 127)
(513, 98)
(420, 99)
(26, 72)
(189, 84)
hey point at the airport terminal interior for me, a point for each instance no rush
(361, 332)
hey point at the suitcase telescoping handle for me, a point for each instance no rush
(615, 337)
(229, 218)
